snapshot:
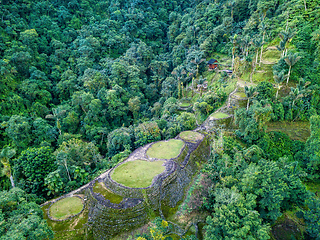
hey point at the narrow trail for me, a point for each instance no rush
(232, 103)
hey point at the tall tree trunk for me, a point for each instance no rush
(257, 55)
(65, 164)
(11, 180)
(288, 75)
(248, 104)
(277, 92)
(192, 86)
(261, 48)
(252, 71)
(232, 60)
(305, 5)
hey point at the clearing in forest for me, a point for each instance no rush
(219, 115)
(137, 173)
(165, 149)
(190, 136)
(66, 207)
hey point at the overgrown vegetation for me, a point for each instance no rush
(85, 82)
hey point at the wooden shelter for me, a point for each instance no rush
(212, 63)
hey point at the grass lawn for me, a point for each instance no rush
(219, 115)
(66, 207)
(138, 173)
(190, 136)
(271, 55)
(184, 104)
(165, 149)
(101, 188)
(240, 94)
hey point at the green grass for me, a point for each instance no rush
(101, 188)
(66, 207)
(138, 173)
(240, 94)
(219, 115)
(73, 228)
(190, 136)
(184, 104)
(165, 149)
(271, 55)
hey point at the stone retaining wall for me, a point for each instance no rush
(107, 219)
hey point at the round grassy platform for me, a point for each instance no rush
(185, 104)
(65, 208)
(138, 173)
(240, 95)
(190, 136)
(219, 115)
(166, 149)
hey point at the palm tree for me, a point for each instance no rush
(286, 36)
(257, 42)
(249, 91)
(295, 94)
(263, 29)
(245, 43)
(281, 47)
(6, 154)
(279, 77)
(291, 60)
(179, 72)
(234, 43)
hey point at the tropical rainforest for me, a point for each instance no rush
(83, 83)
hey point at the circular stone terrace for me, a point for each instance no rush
(66, 208)
(141, 172)
(191, 136)
(219, 115)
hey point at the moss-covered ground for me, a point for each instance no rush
(165, 149)
(99, 187)
(137, 173)
(66, 207)
(74, 228)
(240, 95)
(190, 136)
(219, 115)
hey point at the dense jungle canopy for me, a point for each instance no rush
(85, 82)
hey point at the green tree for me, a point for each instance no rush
(291, 60)
(21, 217)
(187, 121)
(75, 153)
(249, 91)
(234, 217)
(279, 77)
(313, 148)
(118, 139)
(146, 132)
(32, 166)
(312, 217)
(18, 130)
